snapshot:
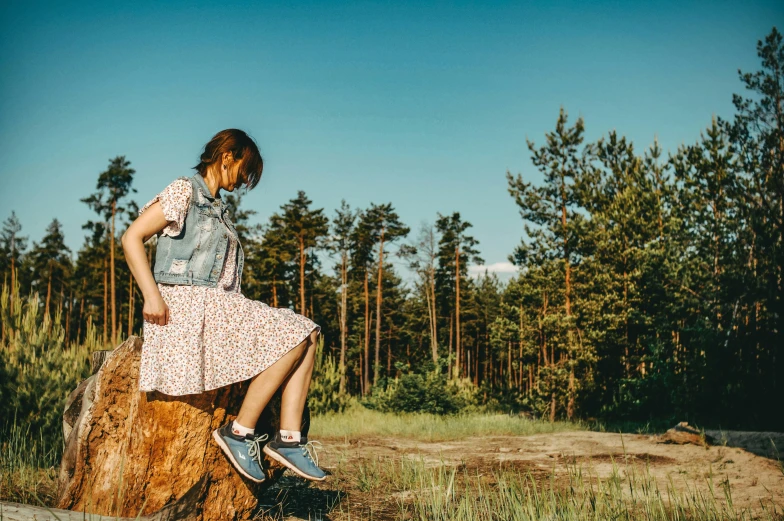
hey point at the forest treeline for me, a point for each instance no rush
(649, 285)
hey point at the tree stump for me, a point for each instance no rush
(131, 453)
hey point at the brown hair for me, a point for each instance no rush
(241, 146)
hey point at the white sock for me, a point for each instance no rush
(241, 430)
(290, 436)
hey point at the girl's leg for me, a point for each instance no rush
(295, 389)
(291, 453)
(264, 384)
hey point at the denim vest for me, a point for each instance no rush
(196, 256)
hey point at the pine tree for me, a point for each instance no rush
(386, 227)
(306, 228)
(114, 185)
(12, 246)
(50, 264)
(340, 243)
(455, 250)
(556, 226)
(757, 137)
(363, 240)
(422, 257)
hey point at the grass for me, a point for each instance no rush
(387, 489)
(358, 421)
(28, 467)
(406, 487)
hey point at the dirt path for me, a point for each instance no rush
(752, 478)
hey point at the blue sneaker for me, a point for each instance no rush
(296, 456)
(244, 452)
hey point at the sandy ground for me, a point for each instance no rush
(752, 477)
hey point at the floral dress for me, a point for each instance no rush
(215, 336)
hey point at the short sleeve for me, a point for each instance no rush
(174, 200)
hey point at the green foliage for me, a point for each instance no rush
(325, 395)
(357, 421)
(430, 392)
(37, 369)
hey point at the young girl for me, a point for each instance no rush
(200, 332)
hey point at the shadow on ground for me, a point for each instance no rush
(295, 497)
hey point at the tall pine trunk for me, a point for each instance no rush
(105, 301)
(567, 304)
(376, 368)
(433, 316)
(458, 347)
(343, 311)
(111, 259)
(302, 275)
(366, 376)
(451, 327)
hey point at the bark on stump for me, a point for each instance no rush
(129, 453)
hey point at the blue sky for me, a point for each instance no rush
(425, 105)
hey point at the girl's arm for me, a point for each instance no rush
(150, 222)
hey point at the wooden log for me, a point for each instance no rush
(683, 433)
(131, 453)
(20, 512)
(186, 508)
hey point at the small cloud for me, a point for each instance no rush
(497, 267)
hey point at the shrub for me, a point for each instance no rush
(325, 395)
(37, 370)
(430, 392)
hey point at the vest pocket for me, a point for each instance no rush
(206, 223)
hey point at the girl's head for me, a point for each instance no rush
(234, 158)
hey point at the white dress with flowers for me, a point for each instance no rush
(215, 336)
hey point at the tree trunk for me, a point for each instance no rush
(509, 364)
(274, 292)
(105, 301)
(131, 453)
(111, 267)
(451, 326)
(567, 301)
(343, 311)
(376, 368)
(302, 275)
(366, 376)
(432, 318)
(521, 344)
(361, 374)
(458, 347)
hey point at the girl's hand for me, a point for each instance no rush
(155, 311)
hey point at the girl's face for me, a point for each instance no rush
(230, 174)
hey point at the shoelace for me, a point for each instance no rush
(309, 451)
(254, 451)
